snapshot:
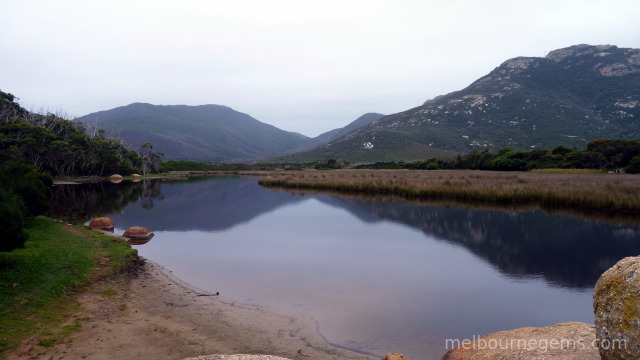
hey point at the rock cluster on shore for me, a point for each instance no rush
(136, 235)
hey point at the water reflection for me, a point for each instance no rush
(202, 203)
(79, 203)
(565, 251)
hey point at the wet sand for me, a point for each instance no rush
(148, 314)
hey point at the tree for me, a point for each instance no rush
(150, 161)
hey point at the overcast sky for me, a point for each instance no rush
(305, 66)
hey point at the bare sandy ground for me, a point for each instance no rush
(150, 315)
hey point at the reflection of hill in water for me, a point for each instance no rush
(205, 203)
(565, 251)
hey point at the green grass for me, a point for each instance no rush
(38, 281)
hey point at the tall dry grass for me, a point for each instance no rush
(593, 192)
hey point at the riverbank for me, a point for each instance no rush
(142, 312)
(147, 314)
(603, 193)
(38, 282)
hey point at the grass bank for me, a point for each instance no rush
(38, 281)
(590, 192)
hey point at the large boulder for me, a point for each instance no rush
(616, 303)
(138, 233)
(564, 341)
(102, 223)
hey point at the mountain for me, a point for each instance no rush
(569, 97)
(331, 135)
(208, 133)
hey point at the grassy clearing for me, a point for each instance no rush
(590, 192)
(36, 282)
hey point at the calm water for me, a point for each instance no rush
(378, 277)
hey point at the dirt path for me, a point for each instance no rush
(148, 315)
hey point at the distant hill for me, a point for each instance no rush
(207, 133)
(331, 135)
(571, 96)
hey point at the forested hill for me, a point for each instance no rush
(210, 133)
(62, 147)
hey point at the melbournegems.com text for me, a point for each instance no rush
(541, 345)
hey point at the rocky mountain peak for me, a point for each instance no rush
(579, 50)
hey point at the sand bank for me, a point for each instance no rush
(148, 314)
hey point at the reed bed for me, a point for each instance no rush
(618, 193)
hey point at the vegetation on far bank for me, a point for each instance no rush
(600, 154)
(37, 282)
(589, 192)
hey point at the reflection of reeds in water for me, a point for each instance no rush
(619, 193)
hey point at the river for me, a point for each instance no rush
(377, 276)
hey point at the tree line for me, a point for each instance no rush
(600, 154)
(61, 147)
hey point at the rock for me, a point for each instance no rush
(136, 175)
(115, 178)
(138, 233)
(616, 303)
(102, 223)
(394, 356)
(564, 341)
(236, 357)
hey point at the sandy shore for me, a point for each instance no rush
(148, 314)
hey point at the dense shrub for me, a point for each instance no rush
(12, 220)
(584, 160)
(634, 166)
(513, 160)
(32, 187)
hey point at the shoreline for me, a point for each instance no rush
(307, 318)
(148, 313)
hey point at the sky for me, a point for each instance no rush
(303, 66)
